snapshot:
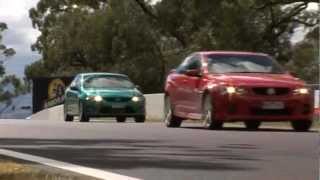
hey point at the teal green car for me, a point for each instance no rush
(103, 95)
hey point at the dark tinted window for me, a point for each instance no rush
(194, 63)
(243, 64)
(76, 81)
(183, 66)
(189, 63)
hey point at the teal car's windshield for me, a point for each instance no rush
(106, 82)
(243, 64)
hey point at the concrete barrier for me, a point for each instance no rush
(154, 106)
(51, 114)
(154, 110)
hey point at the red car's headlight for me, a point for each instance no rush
(301, 91)
(233, 90)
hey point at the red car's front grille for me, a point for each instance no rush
(262, 112)
(263, 91)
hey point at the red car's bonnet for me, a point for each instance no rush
(269, 80)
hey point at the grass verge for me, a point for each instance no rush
(12, 169)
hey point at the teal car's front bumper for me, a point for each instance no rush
(114, 107)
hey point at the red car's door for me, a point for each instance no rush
(192, 87)
(179, 86)
(179, 93)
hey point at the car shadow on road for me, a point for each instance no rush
(133, 154)
(242, 129)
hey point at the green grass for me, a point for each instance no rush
(11, 169)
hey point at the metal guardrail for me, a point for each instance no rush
(316, 88)
(317, 98)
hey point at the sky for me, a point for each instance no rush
(21, 35)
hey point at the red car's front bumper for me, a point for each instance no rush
(245, 108)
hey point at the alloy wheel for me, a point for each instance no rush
(208, 114)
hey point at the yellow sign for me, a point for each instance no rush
(56, 89)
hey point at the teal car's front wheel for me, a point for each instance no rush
(121, 119)
(140, 119)
(83, 114)
(68, 118)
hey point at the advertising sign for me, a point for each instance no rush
(48, 92)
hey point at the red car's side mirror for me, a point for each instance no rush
(173, 70)
(193, 72)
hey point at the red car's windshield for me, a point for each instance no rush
(106, 82)
(243, 64)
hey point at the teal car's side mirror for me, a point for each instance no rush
(74, 88)
(138, 87)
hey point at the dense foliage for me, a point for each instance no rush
(145, 40)
(305, 58)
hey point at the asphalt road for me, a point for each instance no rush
(151, 151)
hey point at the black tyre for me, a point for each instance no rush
(83, 115)
(170, 119)
(121, 119)
(140, 119)
(67, 118)
(301, 126)
(208, 114)
(252, 125)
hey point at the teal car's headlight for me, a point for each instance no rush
(136, 99)
(95, 98)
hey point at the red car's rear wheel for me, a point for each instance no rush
(169, 118)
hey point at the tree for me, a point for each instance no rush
(305, 62)
(145, 41)
(4, 51)
(10, 86)
(254, 25)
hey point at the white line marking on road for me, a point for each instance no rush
(67, 166)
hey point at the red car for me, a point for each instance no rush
(222, 86)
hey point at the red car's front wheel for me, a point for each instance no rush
(301, 125)
(208, 114)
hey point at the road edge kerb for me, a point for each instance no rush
(96, 173)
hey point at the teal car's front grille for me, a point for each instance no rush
(117, 99)
(118, 110)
